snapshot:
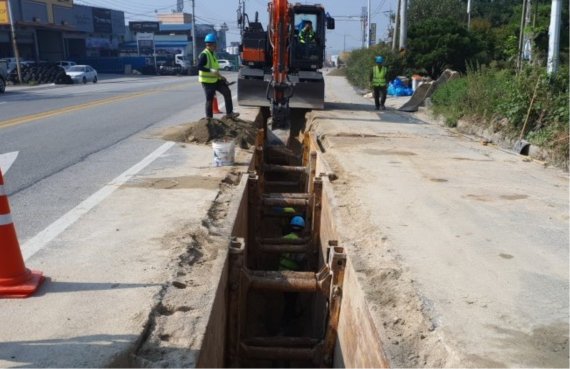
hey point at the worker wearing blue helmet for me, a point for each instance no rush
(211, 79)
(379, 82)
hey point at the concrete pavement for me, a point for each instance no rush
(109, 269)
(462, 248)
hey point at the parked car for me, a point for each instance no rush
(11, 63)
(66, 64)
(82, 73)
(225, 64)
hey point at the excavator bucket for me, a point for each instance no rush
(308, 89)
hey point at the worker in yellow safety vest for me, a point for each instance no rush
(289, 261)
(307, 35)
(379, 82)
(211, 79)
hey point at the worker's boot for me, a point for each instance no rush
(231, 115)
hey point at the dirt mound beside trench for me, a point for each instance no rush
(207, 130)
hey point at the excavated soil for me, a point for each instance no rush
(207, 130)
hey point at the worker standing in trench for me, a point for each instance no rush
(379, 81)
(211, 79)
(291, 262)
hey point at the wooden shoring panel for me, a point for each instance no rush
(236, 263)
(279, 353)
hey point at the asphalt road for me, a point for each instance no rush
(72, 140)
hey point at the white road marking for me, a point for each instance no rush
(53, 230)
(3, 102)
(6, 161)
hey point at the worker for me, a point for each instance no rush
(211, 79)
(379, 81)
(307, 35)
(291, 262)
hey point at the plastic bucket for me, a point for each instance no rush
(224, 153)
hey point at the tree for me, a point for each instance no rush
(436, 44)
(423, 10)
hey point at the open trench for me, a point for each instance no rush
(266, 313)
(284, 294)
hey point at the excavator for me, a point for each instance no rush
(279, 71)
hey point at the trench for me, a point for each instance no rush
(271, 313)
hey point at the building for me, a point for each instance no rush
(51, 30)
(172, 35)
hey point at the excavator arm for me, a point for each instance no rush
(280, 89)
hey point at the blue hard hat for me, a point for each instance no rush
(379, 59)
(210, 38)
(298, 221)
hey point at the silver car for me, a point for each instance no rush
(82, 74)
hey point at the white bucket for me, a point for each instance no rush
(224, 153)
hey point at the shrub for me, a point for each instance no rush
(361, 61)
(489, 95)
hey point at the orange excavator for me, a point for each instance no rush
(280, 70)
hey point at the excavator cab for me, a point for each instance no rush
(305, 59)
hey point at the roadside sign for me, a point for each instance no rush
(372, 37)
(4, 12)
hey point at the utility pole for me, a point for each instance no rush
(468, 14)
(363, 19)
(368, 27)
(395, 33)
(521, 33)
(193, 33)
(14, 41)
(527, 46)
(554, 37)
(403, 23)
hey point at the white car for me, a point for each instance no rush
(82, 74)
(225, 64)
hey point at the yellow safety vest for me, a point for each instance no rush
(379, 76)
(212, 63)
(286, 261)
(306, 36)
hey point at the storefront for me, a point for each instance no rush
(52, 30)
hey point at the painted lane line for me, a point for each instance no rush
(53, 230)
(83, 106)
(6, 161)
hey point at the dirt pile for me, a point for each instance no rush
(207, 130)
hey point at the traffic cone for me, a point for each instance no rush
(15, 279)
(215, 107)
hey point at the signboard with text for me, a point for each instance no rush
(147, 27)
(145, 44)
(4, 12)
(372, 34)
(102, 20)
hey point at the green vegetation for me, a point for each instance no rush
(503, 99)
(491, 91)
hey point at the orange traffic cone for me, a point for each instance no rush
(215, 107)
(15, 279)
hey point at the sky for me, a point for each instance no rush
(346, 36)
